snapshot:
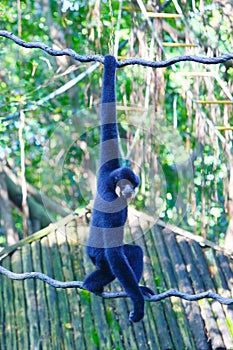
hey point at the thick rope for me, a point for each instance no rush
(109, 295)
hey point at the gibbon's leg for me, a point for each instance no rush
(134, 256)
(123, 271)
(97, 279)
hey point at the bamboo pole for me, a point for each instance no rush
(196, 74)
(217, 102)
(129, 108)
(225, 128)
(178, 45)
(153, 14)
(163, 15)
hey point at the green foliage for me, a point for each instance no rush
(65, 127)
(109, 316)
(229, 325)
(95, 337)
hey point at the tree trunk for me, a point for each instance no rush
(229, 233)
(5, 209)
(37, 213)
(39, 196)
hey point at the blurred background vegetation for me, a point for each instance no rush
(175, 123)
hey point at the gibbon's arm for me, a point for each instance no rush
(109, 131)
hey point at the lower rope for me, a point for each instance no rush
(107, 295)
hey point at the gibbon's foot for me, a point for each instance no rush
(146, 291)
(136, 316)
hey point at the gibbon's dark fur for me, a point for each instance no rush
(105, 245)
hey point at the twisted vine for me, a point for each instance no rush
(120, 64)
(109, 295)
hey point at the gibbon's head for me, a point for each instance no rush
(125, 182)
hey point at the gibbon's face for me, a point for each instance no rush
(126, 189)
(126, 181)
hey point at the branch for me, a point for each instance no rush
(109, 295)
(120, 64)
